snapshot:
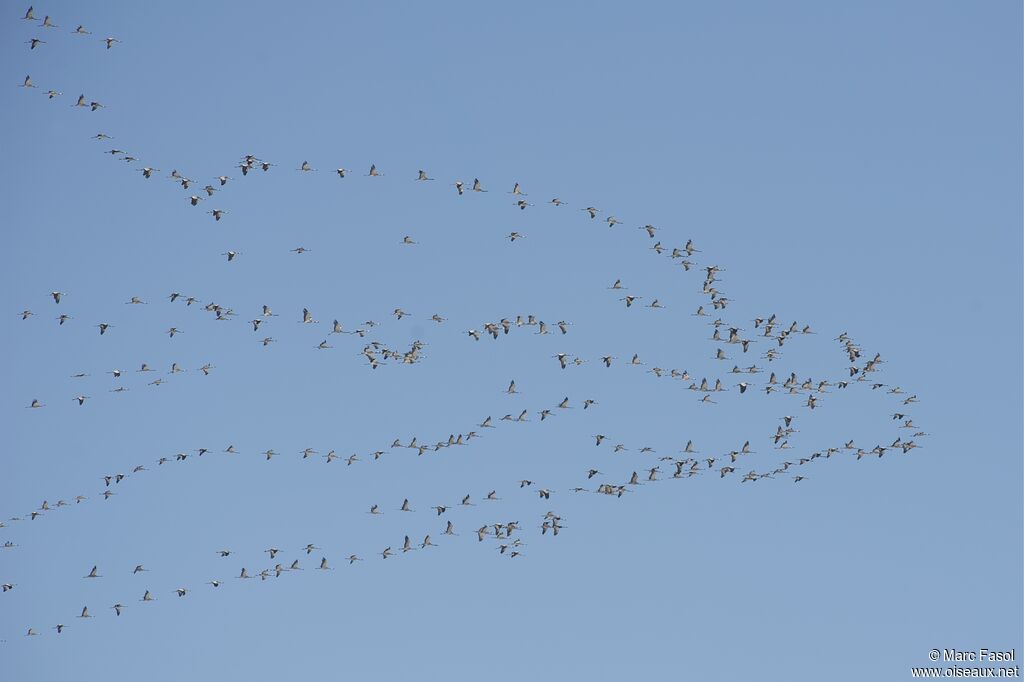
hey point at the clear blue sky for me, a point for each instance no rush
(852, 166)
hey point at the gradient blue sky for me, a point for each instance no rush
(853, 166)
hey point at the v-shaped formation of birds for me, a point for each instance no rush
(856, 370)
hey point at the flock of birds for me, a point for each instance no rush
(731, 343)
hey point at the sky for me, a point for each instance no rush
(855, 167)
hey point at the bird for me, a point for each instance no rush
(110, 42)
